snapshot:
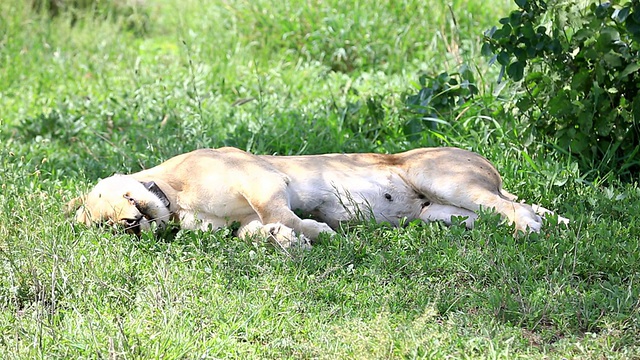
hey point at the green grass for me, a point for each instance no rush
(85, 101)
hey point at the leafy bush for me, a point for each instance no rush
(579, 69)
(438, 99)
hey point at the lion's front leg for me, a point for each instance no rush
(273, 215)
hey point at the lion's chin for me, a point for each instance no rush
(143, 226)
(146, 225)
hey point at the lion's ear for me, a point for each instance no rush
(82, 216)
(155, 190)
(73, 205)
(76, 207)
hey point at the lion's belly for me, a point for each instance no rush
(358, 195)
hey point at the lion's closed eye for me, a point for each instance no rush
(140, 206)
(131, 200)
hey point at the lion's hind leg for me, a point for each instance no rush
(522, 215)
(526, 218)
(545, 212)
(539, 210)
(467, 181)
(475, 197)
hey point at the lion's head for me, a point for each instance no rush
(124, 202)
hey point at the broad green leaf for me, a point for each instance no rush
(503, 58)
(631, 68)
(524, 103)
(621, 14)
(602, 126)
(515, 19)
(527, 31)
(559, 104)
(635, 15)
(583, 34)
(603, 10)
(520, 54)
(612, 60)
(515, 70)
(521, 3)
(490, 32)
(579, 142)
(486, 50)
(580, 79)
(633, 27)
(503, 32)
(610, 34)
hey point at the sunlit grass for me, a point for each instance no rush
(85, 101)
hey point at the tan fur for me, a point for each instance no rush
(212, 188)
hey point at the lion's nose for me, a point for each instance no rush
(132, 222)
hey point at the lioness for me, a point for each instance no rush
(213, 188)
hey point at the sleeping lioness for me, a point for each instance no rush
(213, 188)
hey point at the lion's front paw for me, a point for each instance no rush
(285, 237)
(313, 228)
(527, 220)
(528, 226)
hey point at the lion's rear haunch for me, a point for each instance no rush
(213, 188)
